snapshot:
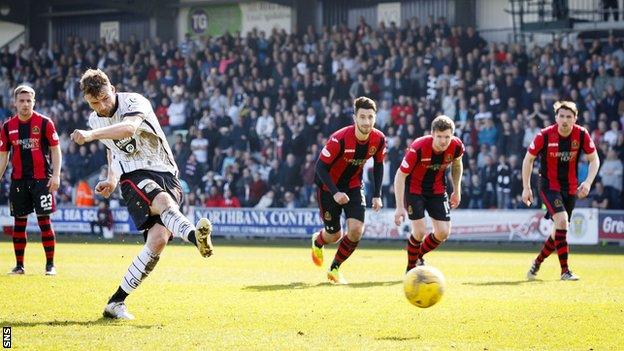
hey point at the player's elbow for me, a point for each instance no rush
(127, 131)
(400, 175)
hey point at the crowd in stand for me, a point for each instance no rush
(249, 114)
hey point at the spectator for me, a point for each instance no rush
(177, 113)
(599, 197)
(266, 201)
(199, 147)
(214, 198)
(229, 200)
(488, 135)
(104, 221)
(611, 172)
(503, 183)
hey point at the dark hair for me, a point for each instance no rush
(442, 123)
(365, 103)
(93, 82)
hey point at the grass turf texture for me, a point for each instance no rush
(269, 295)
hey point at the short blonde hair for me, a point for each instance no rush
(568, 105)
(23, 89)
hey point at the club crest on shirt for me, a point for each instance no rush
(372, 150)
(575, 144)
(35, 130)
(327, 216)
(127, 145)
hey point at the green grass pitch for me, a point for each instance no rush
(269, 296)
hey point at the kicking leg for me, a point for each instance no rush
(169, 212)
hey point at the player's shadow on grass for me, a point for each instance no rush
(511, 282)
(98, 322)
(301, 285)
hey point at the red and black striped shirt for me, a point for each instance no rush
(30, 144)
(559, 157)
(346, 155)
(426, 168)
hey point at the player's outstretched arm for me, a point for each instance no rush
(126, 129)
(527, 168)
(594, 165)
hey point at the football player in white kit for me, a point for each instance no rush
(141, 161)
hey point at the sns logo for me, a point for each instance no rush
(325, 152)
(55, 136)
(6, 337)
(404, 164)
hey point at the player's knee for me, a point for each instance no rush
(333, 237)
(161, 202)
(561, 223)
(356, 231)
(419, 235)
(158, 239)
(443, 234)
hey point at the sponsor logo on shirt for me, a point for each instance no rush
(27, 143)
(355, 161)
(564, 156)
(436, 166)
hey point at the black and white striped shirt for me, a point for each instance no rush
(148, 149)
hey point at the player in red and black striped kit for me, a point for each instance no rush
(423, 169)
(34, 145)
(559, 147)
(339, 179)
